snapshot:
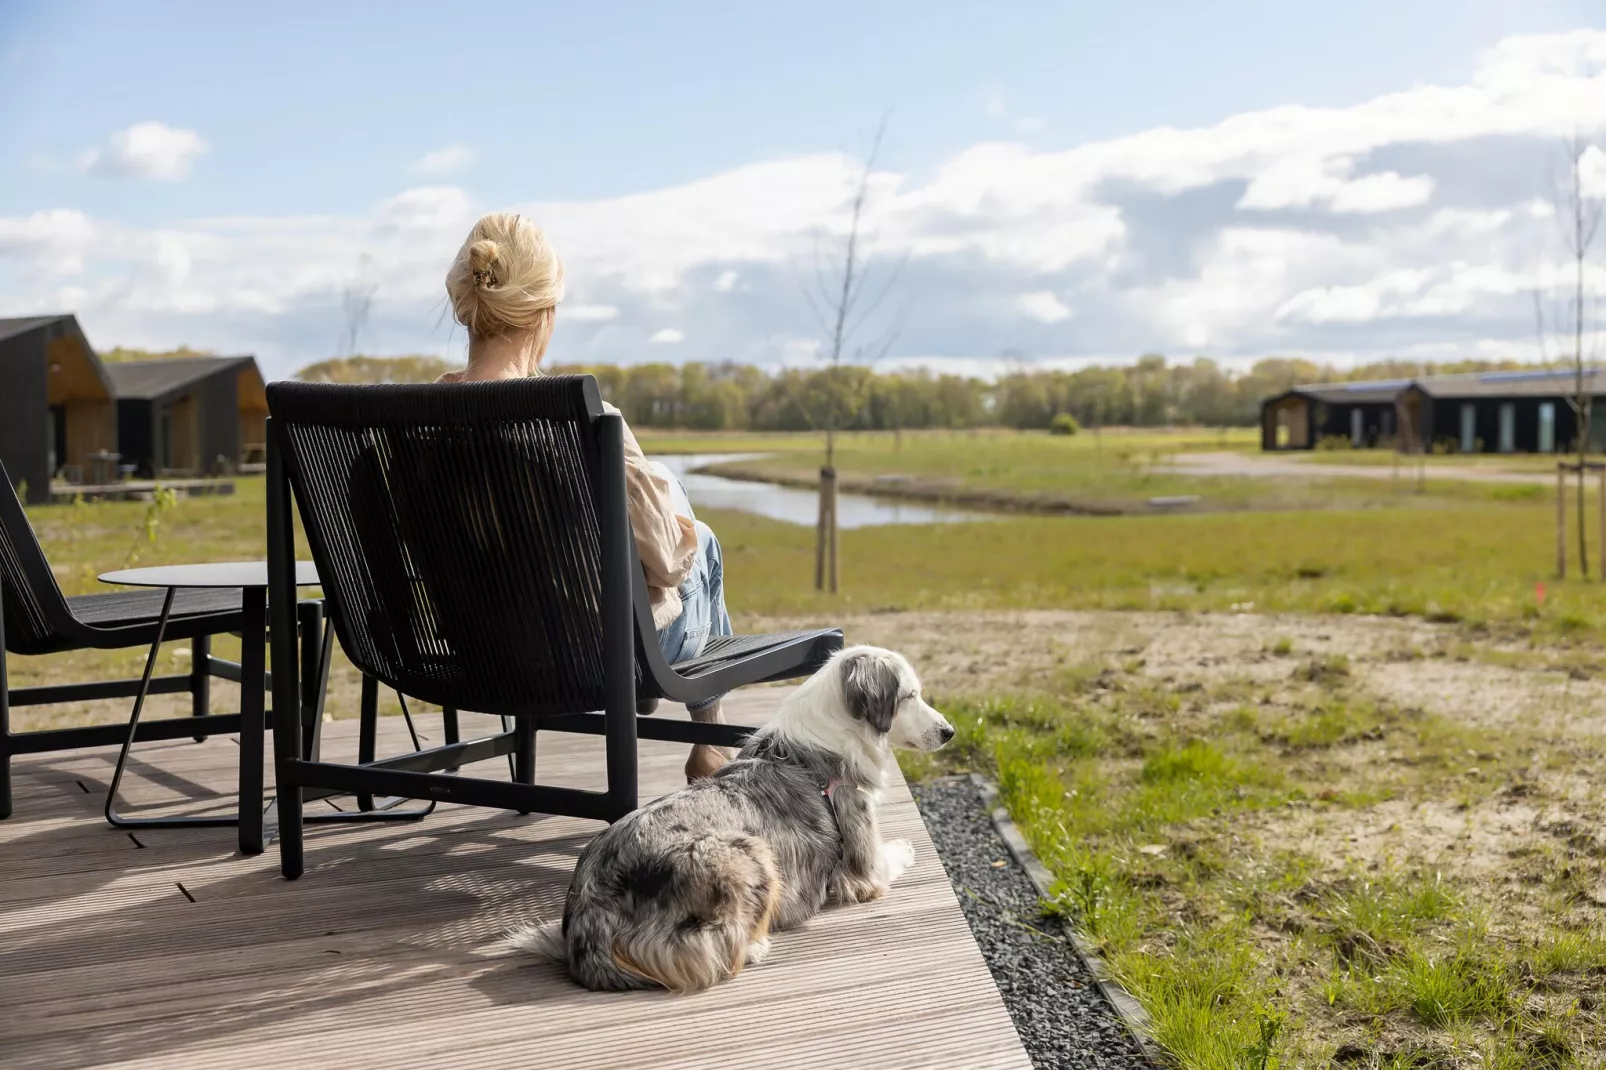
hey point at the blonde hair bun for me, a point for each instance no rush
(482, 258)
(505, 277)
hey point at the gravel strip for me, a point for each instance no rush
(1062, 1017)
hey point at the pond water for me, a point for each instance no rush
(792, 505)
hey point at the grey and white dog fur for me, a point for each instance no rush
(685, 891)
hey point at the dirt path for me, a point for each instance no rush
(1263, 466)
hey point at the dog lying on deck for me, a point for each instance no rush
(685, 891)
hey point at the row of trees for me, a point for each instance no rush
(1152, 392)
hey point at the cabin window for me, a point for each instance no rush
(1547, 427)
(1508, 427)
(1469, 429)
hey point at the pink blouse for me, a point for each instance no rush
(666, 541)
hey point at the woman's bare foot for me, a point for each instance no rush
(705, 760)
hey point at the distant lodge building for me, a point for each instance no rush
(1485, 412)
(65, 416)
(57, 408)
(190, 415)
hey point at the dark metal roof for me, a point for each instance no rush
(1526, 382)
(1535, 382)
(23, 324)
(151, 379)
(19, 325)
(1358, 393)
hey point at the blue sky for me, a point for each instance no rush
(291, 144)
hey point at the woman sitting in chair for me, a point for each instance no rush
(505, 286)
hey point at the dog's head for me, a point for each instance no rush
(880, 689)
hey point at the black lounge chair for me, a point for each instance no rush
(475, 553)
(35, 618)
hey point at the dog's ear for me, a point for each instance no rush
(870, 688)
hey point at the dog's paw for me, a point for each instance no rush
(757, 951)
(896, 857)
(859, 890)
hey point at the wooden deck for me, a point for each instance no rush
(169, 949)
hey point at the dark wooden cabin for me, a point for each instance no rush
(1528, 411)
(1504, 412)
(190, 416)
(1363, 414)
(57, 408)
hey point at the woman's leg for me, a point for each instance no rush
(702, 614)
(706, 616)
(672, 637)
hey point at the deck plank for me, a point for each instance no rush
(388, 952)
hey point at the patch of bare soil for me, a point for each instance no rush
(975, 653)
(1409, 663)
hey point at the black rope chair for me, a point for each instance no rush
(35, 618)
(475, 552)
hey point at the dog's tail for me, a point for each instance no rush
(545, 940)
(690, 934)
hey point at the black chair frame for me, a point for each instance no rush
(37, 619)
(628, 641)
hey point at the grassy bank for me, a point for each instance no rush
(1282, 856)
(1116, 473)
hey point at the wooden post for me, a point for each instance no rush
(1561, 522)
(820, 527)
(1601, 493)
(828, 494)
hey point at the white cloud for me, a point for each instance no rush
(1043, 307)
(1393, 226)
(55, 242)
(1305, 182)
(427, 208)
(1592, 172)
(443, 161)
(147, 150)
(1466, 222)
(669, 336)
(1386, 191)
